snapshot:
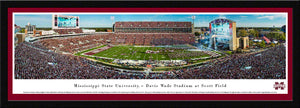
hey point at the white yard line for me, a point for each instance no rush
(117, 51)
(112, 53)
(157, 57)
(145, 54)
(131, 56)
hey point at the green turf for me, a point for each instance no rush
(127, 52)
(79, 53)
(90, 49)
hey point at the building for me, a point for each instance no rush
(242, 42)
(267, 41)
(17, 29)
(109, 30)
(30, 29)
(20, 38)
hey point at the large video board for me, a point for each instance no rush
(65, 21)
(221, 27)
(222, 30)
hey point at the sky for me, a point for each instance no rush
(201, 20)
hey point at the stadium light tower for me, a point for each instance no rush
(112, 18)
(193, 17)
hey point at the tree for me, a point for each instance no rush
(197, 34)
(276, 36)
(243, 33)
(282, 37)
(202, 33)
(254, 33)
(22, 30)
(257, 33)
(262, 44)
(239, 50)
(272, 45)
(250, 43)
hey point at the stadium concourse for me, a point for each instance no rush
(35, 61)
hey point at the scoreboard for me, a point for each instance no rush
(63, 22)
(221, 27)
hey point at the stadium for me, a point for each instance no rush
(137, 50)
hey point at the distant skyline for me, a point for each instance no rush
(201, 20)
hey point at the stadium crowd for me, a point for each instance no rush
(186, 54)
(34, 61)
(72, 44)
(153, 27)
(269, 64)
(77, 43)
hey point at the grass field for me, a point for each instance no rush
(139, 53)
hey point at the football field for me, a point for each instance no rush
(139, 53)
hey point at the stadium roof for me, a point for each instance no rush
(266, 39)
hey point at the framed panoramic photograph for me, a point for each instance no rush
(150, 54)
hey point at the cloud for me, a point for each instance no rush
(271, 17)
(258, 24)
(257, 14)
(201, 23)
(268, 17)
(38, 20)
(152, 18)
(243, 16)
(280, 15)
(95, 23)
(222, 16)
(33, 18)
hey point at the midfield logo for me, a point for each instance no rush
(280, 85)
